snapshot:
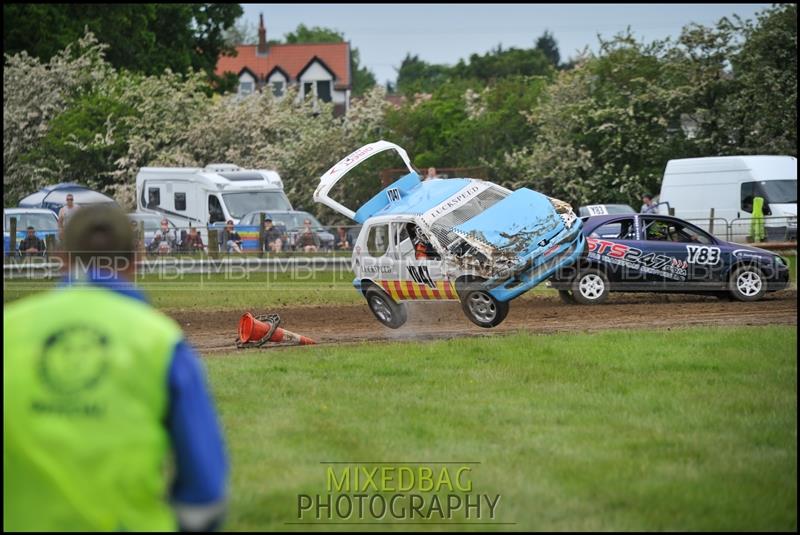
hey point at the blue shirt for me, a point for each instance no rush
(200, 461)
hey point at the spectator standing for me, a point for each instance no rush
(649, 207)
(100, 392)
(308, 240)
(231, 238)
(31, 244)
(431, 173)
(273, 237)
(65, 214)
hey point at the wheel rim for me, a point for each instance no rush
(748, 283)
(482, 307)
(592, 286)
(381, 309)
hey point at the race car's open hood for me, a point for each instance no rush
(515, 225)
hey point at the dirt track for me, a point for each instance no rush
(212, 332)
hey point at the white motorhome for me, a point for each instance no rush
(203, 196)
(728, 184)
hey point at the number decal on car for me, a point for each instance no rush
(699, 254)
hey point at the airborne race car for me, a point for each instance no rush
(459, 239)
(657, 253)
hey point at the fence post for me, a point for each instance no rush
(50, 244)
(12, 237)
(711, 222)
(261, 236)
(213, 244)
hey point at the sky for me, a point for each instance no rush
(445, 33)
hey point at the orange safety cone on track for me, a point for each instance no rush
(253, 330)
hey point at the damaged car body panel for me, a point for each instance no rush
(460, 238)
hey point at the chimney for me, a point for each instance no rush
(262, 36)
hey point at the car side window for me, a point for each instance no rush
(673, 231)
(378, 240)
(622, 229)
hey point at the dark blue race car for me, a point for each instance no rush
(656, 253)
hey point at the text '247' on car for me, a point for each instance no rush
(458, 239)
(658, 253)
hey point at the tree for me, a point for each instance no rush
(146, 38)
(549, 47)
(418, 76)
(363, 78)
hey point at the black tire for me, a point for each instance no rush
(590, 287)
(566, 297)
(482, 309)
(385, 309)
(747, 283)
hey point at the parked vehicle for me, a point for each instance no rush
(42, 219)
(293, 223)
(604, 209)
(658, 253)
(728, 184)
(54, 197)
(459, 238)
(209, 196)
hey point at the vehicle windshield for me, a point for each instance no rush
(150, 223)
(777, 191)
(294, 221)
(243, 202)
(442, 227)
(40, 222)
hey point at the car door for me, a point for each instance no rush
(420, 278)
(374, 261)
(668, 251)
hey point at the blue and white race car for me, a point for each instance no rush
(659, 253)
(459, 238)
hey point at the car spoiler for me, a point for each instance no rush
(335, 173)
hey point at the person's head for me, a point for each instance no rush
(229, 224)
(193, 231)
(647, 198)
(431, 172)
(31, 232)
(268, 221)
(307, 223)
(342, 231)
(70, 200)
(101, 237)
(164, 225)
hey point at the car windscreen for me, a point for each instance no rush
(443, 226)
(776, 191)
(243, 202)
(614, 209)
(40, 222)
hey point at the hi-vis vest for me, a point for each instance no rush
(84, 404)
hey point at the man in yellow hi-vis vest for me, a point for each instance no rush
(99, 389)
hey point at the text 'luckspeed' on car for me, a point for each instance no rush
(452, 239)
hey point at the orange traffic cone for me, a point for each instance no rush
(251, 329)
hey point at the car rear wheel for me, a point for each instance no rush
(385, 309)
(747, 283)
(566, 297)
(590, 287)
(483, 309)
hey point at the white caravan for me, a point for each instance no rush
(728, 184)
(203, 196)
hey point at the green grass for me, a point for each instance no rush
(692, 429)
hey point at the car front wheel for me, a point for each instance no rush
(590, 287)
(385, 309)
(484, 310)
(747, 283)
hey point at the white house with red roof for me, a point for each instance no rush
(319, 70)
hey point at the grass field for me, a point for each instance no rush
(691, 429)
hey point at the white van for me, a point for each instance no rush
(693, 186)
(214, 194)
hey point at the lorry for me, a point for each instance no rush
(203, 197)
(693, 186)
